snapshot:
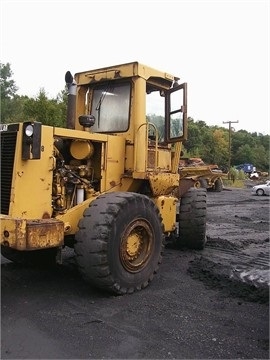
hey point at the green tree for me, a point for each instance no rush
(8, 92)
(260, 157)
(244, 154)
(17, 106)
(196, 131)
(7, 85)
(45, 110)
(220, 148)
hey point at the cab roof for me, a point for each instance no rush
(127, 70)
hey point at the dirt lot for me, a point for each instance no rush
(210, 304)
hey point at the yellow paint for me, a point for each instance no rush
(22, 234)
(167, 208)
(163, 183)
(32, 182)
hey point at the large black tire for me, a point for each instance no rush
(119, 243)
(218, 186)
(203, 183)
(192, 219)
(36, 258)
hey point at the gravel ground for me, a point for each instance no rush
(210, 304)
(237, 251)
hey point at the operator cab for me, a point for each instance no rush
(107, 102)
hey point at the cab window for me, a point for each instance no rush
(111, 106)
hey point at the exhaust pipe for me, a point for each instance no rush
(71, 104)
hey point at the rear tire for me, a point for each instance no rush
(192, 220)
(119, 243)
(218, 186)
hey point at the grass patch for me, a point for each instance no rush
(236, 183)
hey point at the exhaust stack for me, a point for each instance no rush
(71, 105)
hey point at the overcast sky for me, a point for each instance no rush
(220, 48)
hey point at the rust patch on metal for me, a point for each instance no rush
(163, 183)
(44, 233)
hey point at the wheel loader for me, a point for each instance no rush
(107, 185)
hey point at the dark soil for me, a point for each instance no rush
(236, 257)
(210, 304)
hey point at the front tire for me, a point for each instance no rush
(260, 192)
(192, 220)
(119, 243)
(203, 183)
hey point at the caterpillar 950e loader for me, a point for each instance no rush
(108, 184)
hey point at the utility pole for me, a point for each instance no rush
(230, 134)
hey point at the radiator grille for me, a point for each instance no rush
(8, 146)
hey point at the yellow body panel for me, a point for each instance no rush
(115, 163)
(123, 70)
(71, 218)
(23, 234)
(163, 183)
(159, 159)
(32, 182)
(167, 208)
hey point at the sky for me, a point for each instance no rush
(220, 48)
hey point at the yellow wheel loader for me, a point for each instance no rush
(108, 184)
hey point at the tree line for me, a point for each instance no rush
(211, 143)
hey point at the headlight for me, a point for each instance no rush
(29, 130)
(31, 140)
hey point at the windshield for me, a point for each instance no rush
(110, 106)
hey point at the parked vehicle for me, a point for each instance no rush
(108, 184)
(247, 168)
(262, 189)
(204, 176)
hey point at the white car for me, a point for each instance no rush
(262, 189)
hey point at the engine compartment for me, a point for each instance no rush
(77, 173)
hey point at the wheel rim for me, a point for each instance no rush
(260, 192)
(136, 245)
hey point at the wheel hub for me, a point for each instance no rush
(136, 245)
(133, 245)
